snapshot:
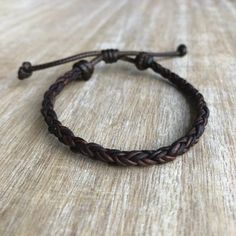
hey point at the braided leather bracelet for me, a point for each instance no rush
(83, 70)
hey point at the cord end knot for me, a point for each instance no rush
(182, 50)
(25, 71)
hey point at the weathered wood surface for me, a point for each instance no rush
(47, 190)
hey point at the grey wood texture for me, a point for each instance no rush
(47, 190)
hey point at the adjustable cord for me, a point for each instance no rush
(26, 70)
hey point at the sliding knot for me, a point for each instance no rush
(84, 68)
(25, 70)
(110, 55)
(143, 61)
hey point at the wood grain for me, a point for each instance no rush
(47, 190)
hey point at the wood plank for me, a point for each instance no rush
(47, 190)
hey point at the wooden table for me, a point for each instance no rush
(47, 190)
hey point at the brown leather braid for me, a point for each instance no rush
(83, 70)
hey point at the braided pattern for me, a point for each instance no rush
(83, 70)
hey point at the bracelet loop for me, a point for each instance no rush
(142, 60)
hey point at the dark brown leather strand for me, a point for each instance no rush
(83, 70)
